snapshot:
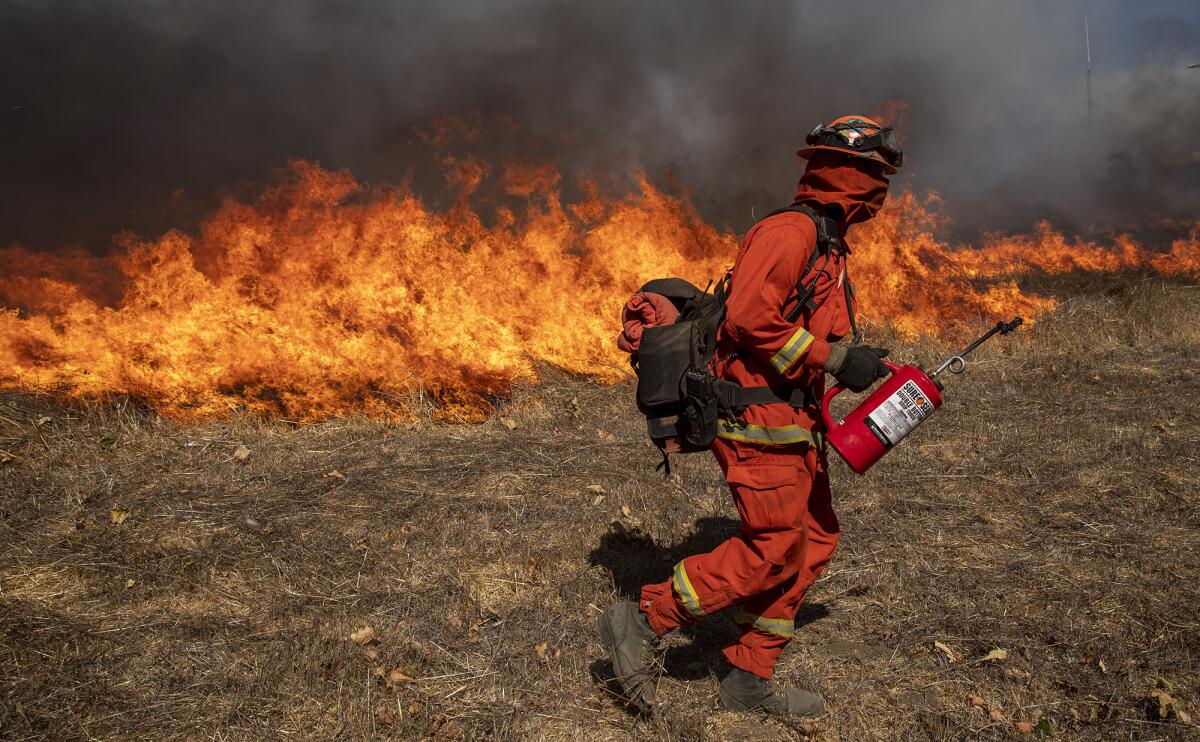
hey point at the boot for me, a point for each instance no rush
(744, 691)
(626, 634)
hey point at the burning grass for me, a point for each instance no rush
(1049, 511)
(324, 297)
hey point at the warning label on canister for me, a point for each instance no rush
(899, 414)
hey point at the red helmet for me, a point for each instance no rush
(857, 136)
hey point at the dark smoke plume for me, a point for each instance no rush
(137, 113)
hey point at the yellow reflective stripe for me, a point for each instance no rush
(777, 626)
(778, 436)
(686, 593)
(792, 350)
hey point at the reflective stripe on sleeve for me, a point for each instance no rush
(685, 591)
(777, 626)
(777, 436)
(792, 350)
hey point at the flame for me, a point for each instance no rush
(326, 297)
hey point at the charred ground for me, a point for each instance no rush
(1049, 511)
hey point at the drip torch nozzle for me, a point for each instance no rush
(957, 363)
(1012, 324)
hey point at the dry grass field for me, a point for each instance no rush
(1028, 559)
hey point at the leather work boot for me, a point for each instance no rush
(626, 633)
(744, 691)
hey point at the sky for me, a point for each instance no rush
(138, 114)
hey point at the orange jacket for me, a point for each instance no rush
(757, 346)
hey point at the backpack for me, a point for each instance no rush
(676, 391)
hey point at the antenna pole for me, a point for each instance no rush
(1087, 40)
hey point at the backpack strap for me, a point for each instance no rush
(827, 232)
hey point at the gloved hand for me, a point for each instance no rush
(856, 367)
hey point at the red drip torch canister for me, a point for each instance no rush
(902, 402)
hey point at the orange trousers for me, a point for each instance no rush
(789, 533)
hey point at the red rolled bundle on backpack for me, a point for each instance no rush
(643, 310)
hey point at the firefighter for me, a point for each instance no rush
(772, 456)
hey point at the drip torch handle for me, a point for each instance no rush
(829, 395)
(837, 389)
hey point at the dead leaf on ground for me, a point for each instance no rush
(385, 714)
(1023, 727)
(509, 423)
(996, 655)
(363, 636)
(542, 651)
(950, 655)
(119, 516)
(996, 714)
(370, 653)
(626, 511)
(975, 700)
(605, 436)
(599, 489)
(241, 453)
(335, 474)
(1168, 705)
(597, 500)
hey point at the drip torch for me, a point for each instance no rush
(902, 402)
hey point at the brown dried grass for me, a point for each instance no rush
(1050, 510)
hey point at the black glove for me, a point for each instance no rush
(863, 364)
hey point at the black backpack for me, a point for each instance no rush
(676, 391)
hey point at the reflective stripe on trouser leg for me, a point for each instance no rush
(685, 592)
(782, 627)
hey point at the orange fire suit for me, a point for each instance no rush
(772, 458)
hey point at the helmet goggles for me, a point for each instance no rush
(858, 136)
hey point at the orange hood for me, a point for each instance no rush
(843, 189)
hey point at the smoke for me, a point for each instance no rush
(136, 114)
